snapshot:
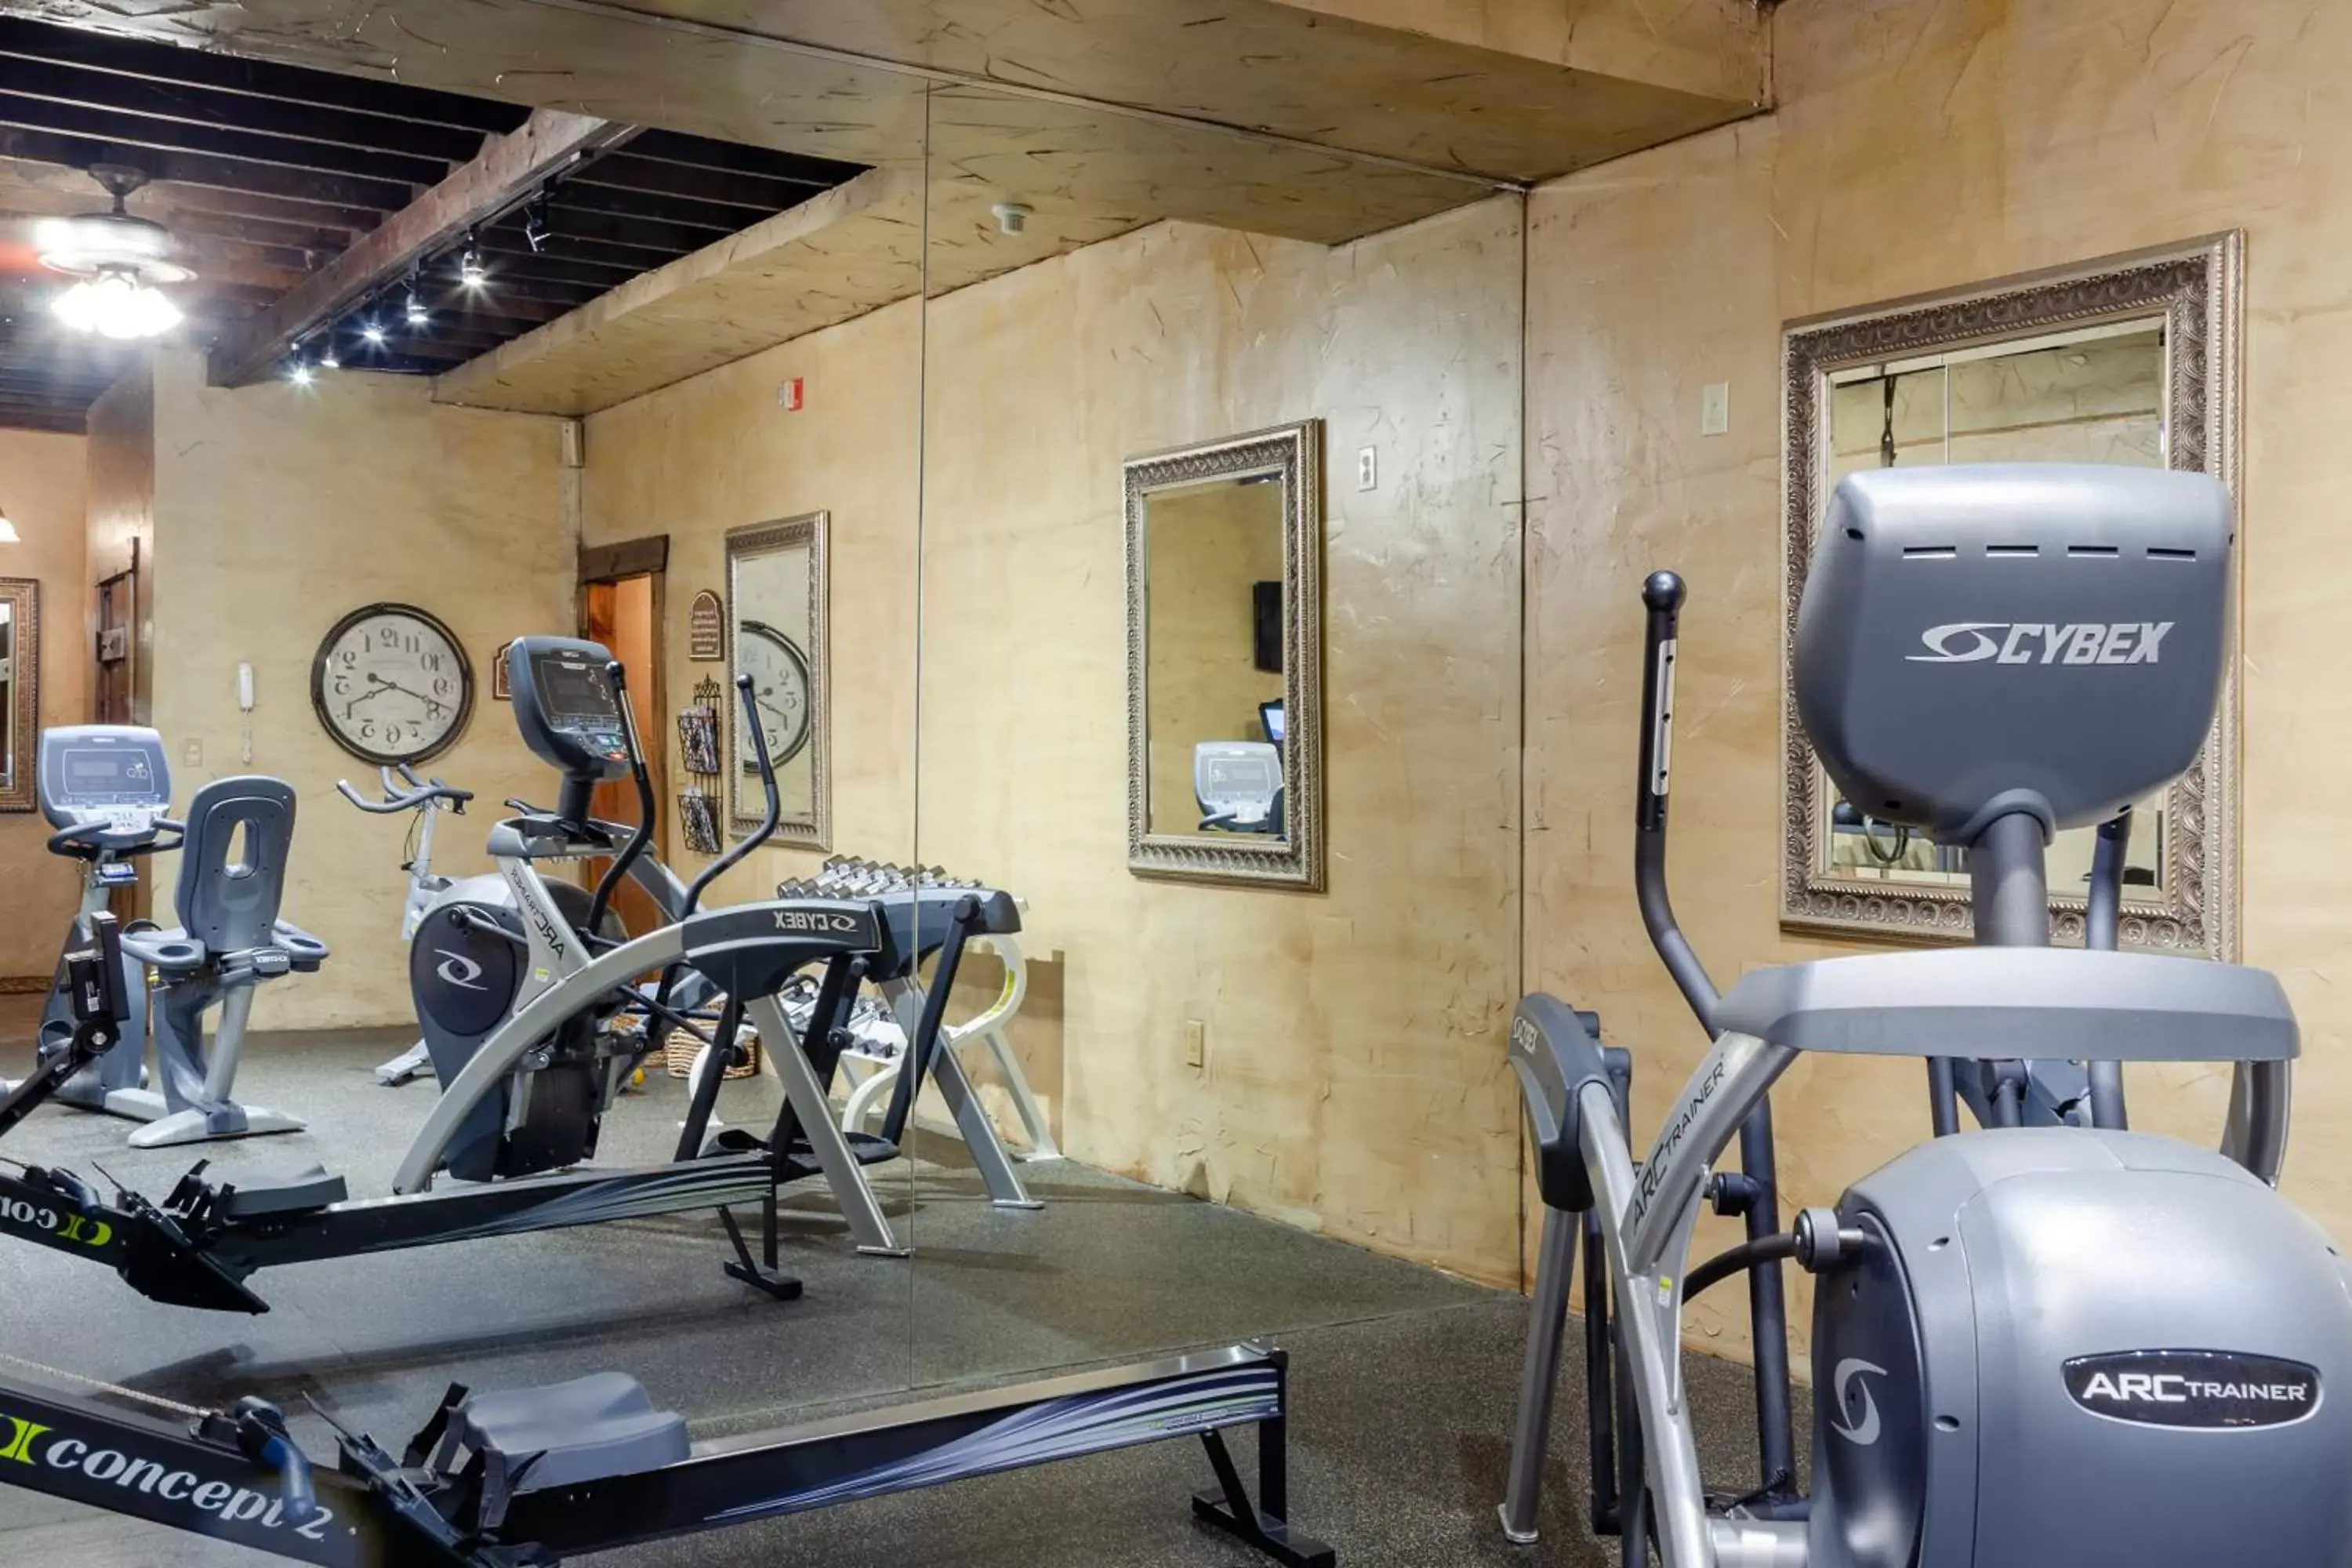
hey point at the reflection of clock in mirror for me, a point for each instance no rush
(392, 685)
(780, 685)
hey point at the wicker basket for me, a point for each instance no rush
(679, 1049)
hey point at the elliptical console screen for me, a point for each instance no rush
(577, 694)
(567, 707)
(105, 776)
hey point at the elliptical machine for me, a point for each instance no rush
(2038, 1344)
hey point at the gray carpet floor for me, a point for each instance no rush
(1403, 1378)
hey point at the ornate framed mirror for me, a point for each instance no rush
(1225, 646)
(776, 596)
(20, 690)
(2130, 360)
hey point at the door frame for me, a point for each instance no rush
(646, 557)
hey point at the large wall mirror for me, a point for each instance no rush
(776, 595)
(2131, 360)
(1224, 631)
(20, 690)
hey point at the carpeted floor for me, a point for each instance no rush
(1403, 1378)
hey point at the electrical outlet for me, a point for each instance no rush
(1714, 408)
(193, 754)
(1368, 469)
(1196, 1043)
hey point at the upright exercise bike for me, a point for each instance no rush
(429, 799)
(2048, 1342)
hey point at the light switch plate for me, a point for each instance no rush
(1714, 408)
(1196, 1043)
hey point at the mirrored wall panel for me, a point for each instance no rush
(1221, 656)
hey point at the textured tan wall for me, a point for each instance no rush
(41, 490)
(278, 510)
(1920, 145)
(718, 452)
(1354, 1081)
(1354, 1078)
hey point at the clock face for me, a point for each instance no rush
(391, 684)
(780, 685)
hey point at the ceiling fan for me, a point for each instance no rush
(117, 260)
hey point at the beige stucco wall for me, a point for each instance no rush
(279, 509)
(41, 490)
(1353, 1080)
(1920, 145)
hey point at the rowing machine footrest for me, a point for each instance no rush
(864, 1147)
(273, 1191)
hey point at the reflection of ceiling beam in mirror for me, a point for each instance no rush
(2142, 326)
(1525, 98)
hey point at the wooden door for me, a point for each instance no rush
(113, 693)
(624, 614)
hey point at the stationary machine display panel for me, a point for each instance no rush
(111, 772)
(1236, 783)
(566, 707)
(1269, 718)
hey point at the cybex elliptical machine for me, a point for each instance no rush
(2050, 1341)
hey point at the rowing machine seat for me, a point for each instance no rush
(532, 1439)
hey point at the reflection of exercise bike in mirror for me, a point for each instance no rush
(528, 1075)
(106, 788)
(1238, 784)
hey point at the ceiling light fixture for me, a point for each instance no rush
(536, 232)
(328, 359)
(471, 270)
(299, 373)
(8, 534)
(117, 260)
(373, 332)
(417, 315)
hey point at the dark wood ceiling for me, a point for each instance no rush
(266, 171)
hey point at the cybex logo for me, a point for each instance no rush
(2039, 642)
(822, 922)
(16, 1436)
(1858, 1409)
(456, 969)
(2194, 1388)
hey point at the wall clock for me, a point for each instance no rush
(779, 682)
(392, 685)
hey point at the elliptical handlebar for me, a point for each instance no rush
(1662, 594)
(648, 808)
(744, 690)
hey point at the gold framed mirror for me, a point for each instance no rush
(1224, 645)
(20, 690)
(776, 597)
(2130, 360)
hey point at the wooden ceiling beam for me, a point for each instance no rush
(262, 78)
(80, 152)
(65, 83)
(221, 142)
(508, 168)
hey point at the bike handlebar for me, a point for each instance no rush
(90, 840)
(425, 795)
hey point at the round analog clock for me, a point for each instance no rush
(780, 685)
(392, 685)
